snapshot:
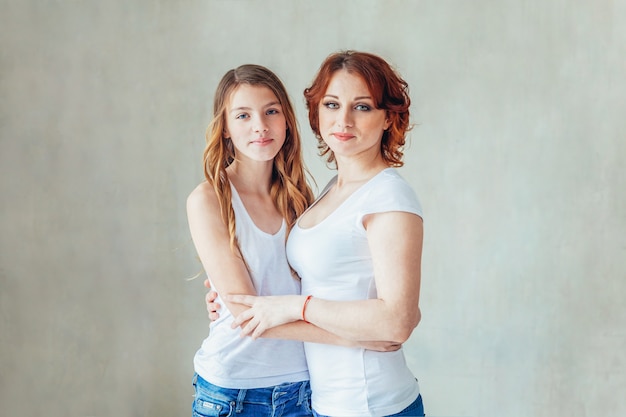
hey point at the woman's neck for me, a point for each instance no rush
(351, 170)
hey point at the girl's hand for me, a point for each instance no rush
(266, 312)
(211, 306)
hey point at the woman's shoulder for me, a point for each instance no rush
(390, 181)
(390, 191)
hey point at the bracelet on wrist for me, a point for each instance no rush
(308, 298)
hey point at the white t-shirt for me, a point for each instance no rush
(334, 261)
(230, 361)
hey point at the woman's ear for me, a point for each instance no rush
(387, 122)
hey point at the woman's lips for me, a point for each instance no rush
(343, 136)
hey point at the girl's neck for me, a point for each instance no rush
(251, 178)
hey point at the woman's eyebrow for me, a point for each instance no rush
(354, 99)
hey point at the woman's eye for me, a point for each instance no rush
(362, 107)
(331, 105)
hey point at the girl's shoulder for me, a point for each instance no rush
(203, 199)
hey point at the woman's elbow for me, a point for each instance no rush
(405, 327)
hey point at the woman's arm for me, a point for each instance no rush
(228, 272)
(395, 241)
(306, 333)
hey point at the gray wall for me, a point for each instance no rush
(518, 157)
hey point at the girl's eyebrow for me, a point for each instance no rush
(270, 104)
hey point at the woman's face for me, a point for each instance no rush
(255, 123)
(348, 120)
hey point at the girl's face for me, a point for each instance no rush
(348, 120)
(255, 123)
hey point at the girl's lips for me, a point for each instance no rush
(262, 141)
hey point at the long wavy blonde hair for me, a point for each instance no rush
(289, 188)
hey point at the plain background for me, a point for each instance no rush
(518, 156)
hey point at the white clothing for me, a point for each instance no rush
(230, 361)
(334, 261)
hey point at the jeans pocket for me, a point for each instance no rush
(204, 407)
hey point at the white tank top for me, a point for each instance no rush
(334, 261)
(230, 361)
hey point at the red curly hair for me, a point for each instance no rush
(389, 91)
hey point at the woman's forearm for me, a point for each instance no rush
(307, 332)
(372, 319)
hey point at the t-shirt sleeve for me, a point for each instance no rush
(390, 194)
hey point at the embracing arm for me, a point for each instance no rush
(308, 332)
(228, 272)
(395, 240)
(303, 331)
(212, 241)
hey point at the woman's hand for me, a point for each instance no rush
(211, 306)
(266, 312)
(380, 346)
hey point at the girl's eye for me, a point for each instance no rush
(242, 116)
(331, 105)
(362, 107)
(272, 111)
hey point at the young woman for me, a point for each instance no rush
(357, 248)
(239, 218)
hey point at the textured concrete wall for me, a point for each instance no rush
(518, 157)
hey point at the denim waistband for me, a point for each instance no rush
(268, 395)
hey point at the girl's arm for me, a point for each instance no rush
(212, 241)
(227, 271)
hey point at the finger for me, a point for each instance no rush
(212, 295)
(242, 318)
(212, 307)
(248, 328)
(213, 316)
(207, 283)
(244, 299)
(258, 331)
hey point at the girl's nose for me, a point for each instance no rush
(261, 125)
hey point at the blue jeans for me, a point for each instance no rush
(416, 409)
(285, 400)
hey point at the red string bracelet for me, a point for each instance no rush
(308, 298)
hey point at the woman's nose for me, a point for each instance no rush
(344, 118)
